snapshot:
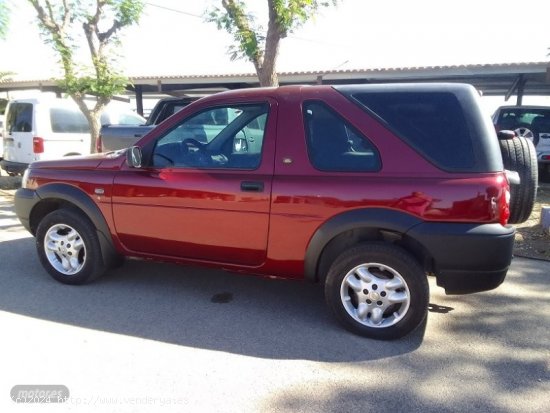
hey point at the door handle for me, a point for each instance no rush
(250, 186)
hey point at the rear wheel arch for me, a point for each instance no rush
(354, 227)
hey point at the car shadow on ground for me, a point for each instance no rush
(191, 306)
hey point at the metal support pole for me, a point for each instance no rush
(521, 89)
(139, 99)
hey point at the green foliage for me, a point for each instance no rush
(128, 12)
(62, 21)
(105, 84)
(242, 25)
(291, 14)
(251, 40)
(4, 18)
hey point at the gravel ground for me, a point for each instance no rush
(531, 240)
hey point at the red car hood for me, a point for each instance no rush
(76, 162)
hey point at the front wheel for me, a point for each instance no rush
(68, 247)
(377, 290)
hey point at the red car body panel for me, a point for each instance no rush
(203, 215)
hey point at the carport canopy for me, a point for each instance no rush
(505, 79)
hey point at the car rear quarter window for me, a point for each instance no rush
(433, 123)
(335, 145)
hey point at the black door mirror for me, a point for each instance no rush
(506, 134)
(133, 157)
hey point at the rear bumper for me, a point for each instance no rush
(13, 167)
(467, 258)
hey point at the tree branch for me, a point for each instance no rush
(106, 35)
(249, 38)
(42, 16)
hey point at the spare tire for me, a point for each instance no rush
(519, 155)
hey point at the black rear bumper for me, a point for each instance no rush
(467, 257)
(13, 167)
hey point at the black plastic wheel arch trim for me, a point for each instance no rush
(375, 218)
(26, 200)
(468, 257)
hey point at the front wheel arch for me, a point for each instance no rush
(55, 196)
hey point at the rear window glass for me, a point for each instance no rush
(512, 118)
(433, 123)
(19, 117)
(68, 121)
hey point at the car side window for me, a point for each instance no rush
(221, 137)
(20, 117)
(334, 145)
(65, 120)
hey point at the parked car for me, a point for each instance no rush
(114, 137)
(365, 189)
(531, 123)
(47, 128)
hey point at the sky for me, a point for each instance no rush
(173, 38)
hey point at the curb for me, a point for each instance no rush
(525, 257)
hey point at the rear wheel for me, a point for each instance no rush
(68, 247)
(519, 155)
(377, 290)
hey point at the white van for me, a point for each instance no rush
(50, 128)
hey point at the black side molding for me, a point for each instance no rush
(79, 199)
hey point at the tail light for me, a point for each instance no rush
(37, 145)
(504, 201)
(98, 145)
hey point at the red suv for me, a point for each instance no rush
(366, 189)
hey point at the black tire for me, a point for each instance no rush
(519, 155)
(385, 262)
(75, 238)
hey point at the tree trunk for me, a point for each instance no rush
(94, 119)
(267, 76)
(268, 73)
(95, 128)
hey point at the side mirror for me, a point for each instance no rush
(133, 157)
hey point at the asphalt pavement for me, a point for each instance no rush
(163, 338)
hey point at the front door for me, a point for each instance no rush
(205, 190)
